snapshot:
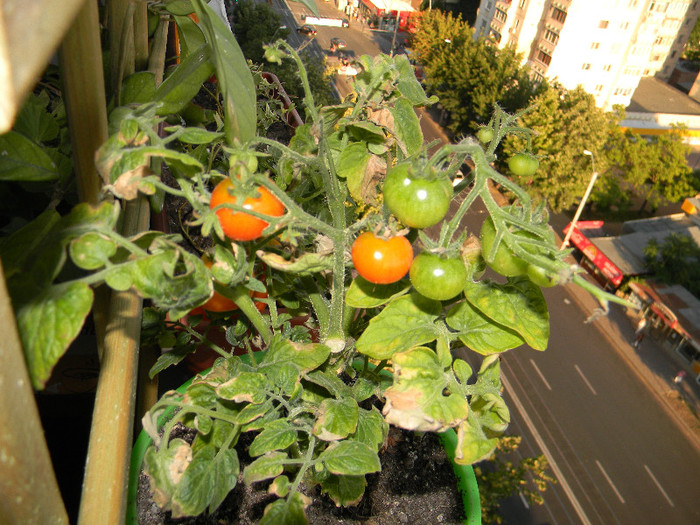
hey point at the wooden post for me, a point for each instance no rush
(29, 493)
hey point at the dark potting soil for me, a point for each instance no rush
(416, 486)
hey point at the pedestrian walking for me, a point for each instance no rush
(640, 332)
(679, 377)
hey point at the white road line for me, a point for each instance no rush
(658, 485)
(539, 373)
(588, 384)
(545, 450)
(607, 478)
(524, 500)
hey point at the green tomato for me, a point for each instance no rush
(485, 135)
(417, 202)
(505, 262)
(436, 277)
(523, 164)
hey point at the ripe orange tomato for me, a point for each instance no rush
(241, 226)
(382, 261)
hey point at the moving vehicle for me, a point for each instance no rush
(306, 30)
(337, 43)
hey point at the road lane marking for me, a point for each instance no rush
(539, 373)
(545, 450)
(523, 499)
(585, 380)
(607, 478)
(658, 485)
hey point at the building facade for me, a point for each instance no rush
(606, 46)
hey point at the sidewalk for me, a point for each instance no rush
(654, 364)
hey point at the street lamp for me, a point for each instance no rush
(565, 243)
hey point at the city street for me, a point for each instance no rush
(618, 455)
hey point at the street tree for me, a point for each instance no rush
(257, 25)
(654, 168)
(675, 260)
(565, 124)
(469, 76)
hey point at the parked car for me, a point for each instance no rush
(337, 43)
(306, 30)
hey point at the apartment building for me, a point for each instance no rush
(606, 46)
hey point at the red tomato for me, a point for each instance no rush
(240, 226)
(382, 261)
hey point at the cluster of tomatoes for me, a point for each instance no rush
(417, 202)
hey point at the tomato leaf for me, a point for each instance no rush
(488, 417)
(407, 127)
(417, 399)
(24, 160)
(185, 81)
(49, 323)
(344, 490)
(277, 435)
(138, 88)
(350, 458)
(337, 419)
(372, 429)
(405, 323)
(518, 305)
(286, 512)
(234, 76)
(265, 467)
(479, 332)
(364, 294)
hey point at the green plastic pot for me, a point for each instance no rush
(466, 478)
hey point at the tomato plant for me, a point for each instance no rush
(523, 164)
(417, 202)
(382, 261)
(238, 225)
(436, 277)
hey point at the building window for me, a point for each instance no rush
(632, 3)
(658, 40)
(673, 54)
(603, 24)
(599, 88)
(544, 57)
(586, 66)
(624, 26)
(495, 35)
(655, 58)
(551, 36)
(522, 3)
(558, 14)
(595, 45)
(607, 67)
(500, 15)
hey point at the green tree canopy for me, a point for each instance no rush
(676, 260)
(654, 168)
(565, 124)
(469, 76)
(256, 25)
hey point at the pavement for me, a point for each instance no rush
(654, 363)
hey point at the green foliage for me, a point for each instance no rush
(468, 76)
(692, 47)
(255, 25)
(655, 168)
(676, 260)
(500, 478)
(564, 124)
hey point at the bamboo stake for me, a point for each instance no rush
(103, 499)
(29, 493)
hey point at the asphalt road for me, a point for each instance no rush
(616, 453)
